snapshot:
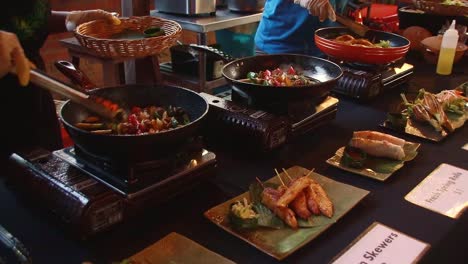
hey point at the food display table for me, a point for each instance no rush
(49, 242)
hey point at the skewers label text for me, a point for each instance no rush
(381, 244)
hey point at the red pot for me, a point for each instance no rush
(399, 46)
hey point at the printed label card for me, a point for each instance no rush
(465, 147)
(444, 191)
(380, 244)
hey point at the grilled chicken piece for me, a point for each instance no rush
(378, 148)
(296, 187)
(311, 197)
(299, 206)
(270, 197)
(374, 135)
(324, 203)
(433, 106)
(421, 114)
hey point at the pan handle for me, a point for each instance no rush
(75, 75)
(223, 56)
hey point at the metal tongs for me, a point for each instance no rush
(85, 100)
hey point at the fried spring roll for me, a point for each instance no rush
(374, 135)
(311, 197)
(269, 198)
(324, 203)
(378, 148)
(296, 187)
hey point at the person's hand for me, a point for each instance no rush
(321, 8)
(76, 18)
(12, 58)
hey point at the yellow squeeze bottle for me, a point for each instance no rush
(447, 50)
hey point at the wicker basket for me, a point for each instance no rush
(98, 36)
(436, 7)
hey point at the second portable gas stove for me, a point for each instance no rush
(365, 81)
(232, 119)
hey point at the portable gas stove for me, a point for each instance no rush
(232, 119)
(364, 81)
(92, 195)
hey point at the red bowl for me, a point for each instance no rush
(399, 46)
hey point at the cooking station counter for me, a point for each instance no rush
(202, 25)
(48, 242)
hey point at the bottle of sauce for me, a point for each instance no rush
(447, 50)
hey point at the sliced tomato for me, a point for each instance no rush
(291, 70)
(136, 109)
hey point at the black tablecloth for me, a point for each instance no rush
(48, 242)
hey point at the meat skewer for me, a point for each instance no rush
(299, 204)
(294, 189)
(324, 203)
(311, 197)
(270, 197)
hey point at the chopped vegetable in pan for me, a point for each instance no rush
(278, 77)
(148, 120)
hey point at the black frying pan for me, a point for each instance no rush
(133, 147)
(325, 72)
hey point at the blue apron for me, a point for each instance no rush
(289, 28)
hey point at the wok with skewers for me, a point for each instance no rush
(132, 146)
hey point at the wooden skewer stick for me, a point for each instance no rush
(261, 183)
(277, 173)
(310, 172)
(287, 174)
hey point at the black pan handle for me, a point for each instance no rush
(223, 56)
(75, 75)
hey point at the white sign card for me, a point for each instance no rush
(444, 191)
(380, 244)
(465, 147)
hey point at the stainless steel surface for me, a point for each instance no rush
(191, 82)
(186, 7)
(203, 24)
(246, 5)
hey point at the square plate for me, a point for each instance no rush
(425, 130)
(175, 248)
(417, 129)
(377, 168)
(280, 243)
